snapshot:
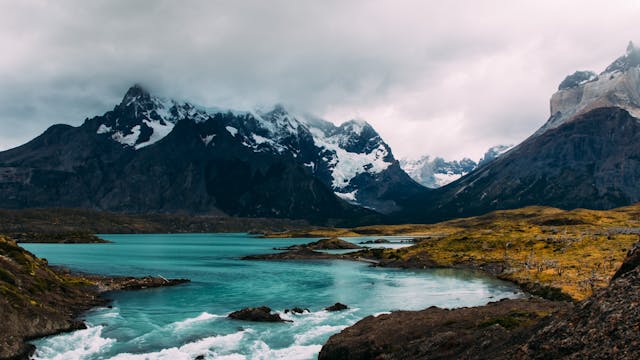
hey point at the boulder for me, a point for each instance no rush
(337, 307)
(260, 314)
(296, 310)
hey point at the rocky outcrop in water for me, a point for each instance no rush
(296, 310)
(377, 241)
(260, 314)
(298, 254)
(337, 307)
(333, 243)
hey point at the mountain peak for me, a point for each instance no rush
(356, 127)
(135, 93)
(629, 60)
(631, 48)
(583, 91)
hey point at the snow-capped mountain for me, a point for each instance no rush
(437, 172)
(585, 156)
(222, 157)
(349, 158)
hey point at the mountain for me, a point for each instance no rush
(151, 154)
(438, 172)
(586, 155)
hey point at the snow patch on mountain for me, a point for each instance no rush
(350, 196)
(261, 143)
(346, 165)
(233, 131)
(103, 129)
(160, 130)
(128, 139)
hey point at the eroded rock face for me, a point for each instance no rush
(583, 91)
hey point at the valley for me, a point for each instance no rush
(531, 252)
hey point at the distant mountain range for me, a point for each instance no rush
(159, 155)
(151, 154)
(437, 172)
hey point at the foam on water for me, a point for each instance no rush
(317, 332)
(209, 347)
(179, 325)
(262, 351)
(74, 346)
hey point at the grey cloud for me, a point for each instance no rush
(434, 77)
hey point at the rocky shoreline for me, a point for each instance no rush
(604, 326)
(440, 333)
(37, 300)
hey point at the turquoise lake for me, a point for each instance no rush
(189, 320)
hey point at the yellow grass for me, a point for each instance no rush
(575, 251)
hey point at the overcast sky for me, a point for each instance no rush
(447, 78)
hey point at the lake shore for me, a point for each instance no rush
(39, 300)
(549, 252)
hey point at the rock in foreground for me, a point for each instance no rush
(260, 314)
(437, 333)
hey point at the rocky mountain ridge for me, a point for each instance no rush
(156, 155)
